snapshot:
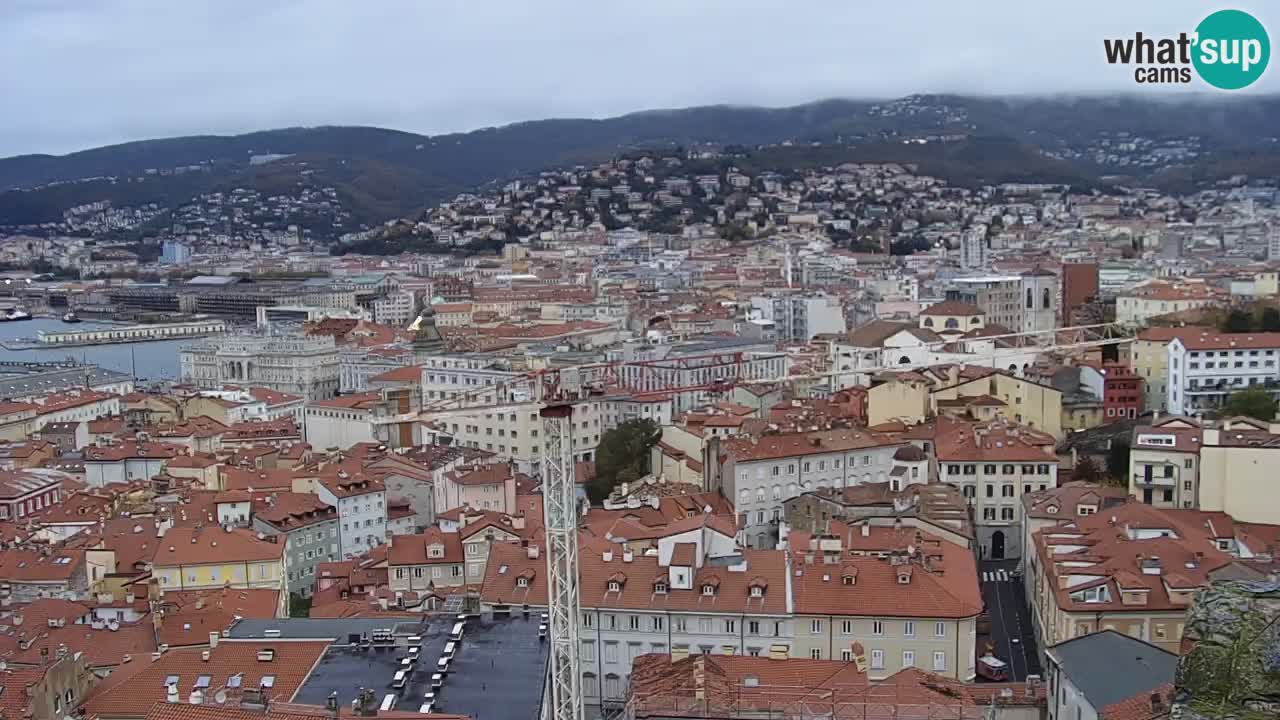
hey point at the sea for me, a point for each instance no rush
(146, 361)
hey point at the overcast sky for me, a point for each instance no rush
(82, 73)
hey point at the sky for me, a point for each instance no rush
(82, 73)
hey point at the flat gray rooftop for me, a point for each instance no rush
(497, 673)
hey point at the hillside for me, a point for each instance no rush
(383, 173)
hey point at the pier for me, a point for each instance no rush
(128, 334)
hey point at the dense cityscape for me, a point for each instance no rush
(905, 422)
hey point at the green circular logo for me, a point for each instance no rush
(1232, 49)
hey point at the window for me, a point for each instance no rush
(1008, 469)
(815, 627)
(730, 626)
(611, 652)
(939, 661)
(908, 658)
(908, 629)
(753, 627)
(846, 655)
(939, 629)
(589, 684)
(846, 627)
(991, 490)
(659, 624)
(877, 627)
(633, 622)
(1006, 513)
(877, 659)
(586, 619)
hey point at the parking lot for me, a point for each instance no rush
(1012, 636)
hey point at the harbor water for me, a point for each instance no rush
(147, 361)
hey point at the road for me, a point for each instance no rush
(1012, 632)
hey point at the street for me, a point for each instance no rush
(1012, 636)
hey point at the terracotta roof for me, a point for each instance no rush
(411, 373)
(131, 449)
(288, 511)
(952, 307)
(189, 616)
(199, 546)
(417, 549)
(798, 444)
(943, 576)
(507, 563)
(290, 665)
(1062, 502)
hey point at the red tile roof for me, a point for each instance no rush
(199, 546)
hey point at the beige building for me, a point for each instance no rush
(909, 597)
(1131, 568)
(1239, 464)
(1164, 463)
(952, 317)
(422, 563)
(1149, 355)
(479, 487)
(1024, 402)
(904, 397)
(1138, 306)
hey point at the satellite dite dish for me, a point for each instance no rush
(220, 697)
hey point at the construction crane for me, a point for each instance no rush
(555, 392)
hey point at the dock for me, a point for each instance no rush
(120, 334)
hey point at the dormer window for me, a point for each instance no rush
(435, 551)
(757, 592)
(615, 586)
(660, 588)
(1052, 509)
(846, 579)
(708, 589)
(522, 582)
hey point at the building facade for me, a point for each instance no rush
(304, 366)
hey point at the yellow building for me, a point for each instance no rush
(1149, 353)
(899, 398)
(1024, 402)
(1139, 305)
(1238, 466)
(213, 557)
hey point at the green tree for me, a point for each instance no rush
(1270, 321)
(1118, 462)
(1255, 402)
(299, 607)
(622, 456)
(1086, 470)
(1237, 321)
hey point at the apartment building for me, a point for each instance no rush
(1122, 392)
(213, 557)
(514, 431)
(1131, 568)
(934, 508)
(1149, 356)
(128, 461)
(1164, 463)
(1138, 305)
(386, 416)
(994, 464)
(479, 487)
(797, 318)
(696, 592)
(909, 597)
(759, 474)
(426, 562)
(479, 530)
(1205, 369)
(308, 529)
(362, 509)
(25, 492)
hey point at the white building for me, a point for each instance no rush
(973, 248)
(798, 318)
(362, 510)
(306, 366)
(758, 475)
(1205, 369)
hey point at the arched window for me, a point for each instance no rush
(974, 320)
(1031, 299)
(759, 494)
(928, 322)
(952, 323)
(1013, 368)
(1045, 306)
(904, 360)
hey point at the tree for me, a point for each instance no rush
(1118, 462)
(1086, 470)
(1270, 320)
(299, 607)
(622, 456)
(1237, 321)
(1255, 402)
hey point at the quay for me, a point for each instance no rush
(129, 333)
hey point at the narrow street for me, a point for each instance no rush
(1012, 635)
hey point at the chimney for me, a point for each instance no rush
(213, 640)
(196, 697)
(171, 694)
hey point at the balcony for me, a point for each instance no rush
(1155, 481)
